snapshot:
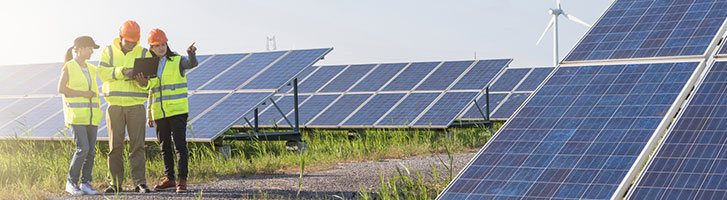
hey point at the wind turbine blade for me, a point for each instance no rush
(550, 24)
(575, 19)
(558, 1)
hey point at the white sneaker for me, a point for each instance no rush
(88, 189)
(73, 189)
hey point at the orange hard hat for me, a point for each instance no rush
(157, 36)
(130, 31)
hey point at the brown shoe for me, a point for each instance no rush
(182, 186)
(165, 184)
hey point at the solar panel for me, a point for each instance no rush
(347, 78)
(411, 76)
(220, 117)
(312, 106)
(496, 99)
(577, 136)
(378, 77)
(508, 107)
(373, 110)
(534, 79)
(651, 28)
(54, 126)
(406, 111)
(479, 76)
(367, 80)
(509, 79)
(690, 161)
(211, 68)
(22, 125)
(508, 92)
(286, 68)
(445, 75)
(17, 108)
(213, 121)
(340, 110)
(442, 112)
(270, 115)
(319, 78)
(32, 78)
(241, 72)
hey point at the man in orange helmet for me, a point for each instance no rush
(126, 106)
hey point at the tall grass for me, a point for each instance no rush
(37, 169)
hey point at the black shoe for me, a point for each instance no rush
(142, 188)
(112, 189)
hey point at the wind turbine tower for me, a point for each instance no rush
(558, 11)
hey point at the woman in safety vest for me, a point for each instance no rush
(168, 107)
(81, 112)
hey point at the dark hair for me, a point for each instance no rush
(169, 53)
(69, 54)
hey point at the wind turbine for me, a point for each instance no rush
(554, 20)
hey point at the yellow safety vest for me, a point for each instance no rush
(168, 91)
(81, 110)
(118, 89)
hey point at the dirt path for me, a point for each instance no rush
(344, 180)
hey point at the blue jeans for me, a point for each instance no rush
(85, 138)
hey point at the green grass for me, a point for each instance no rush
(37, 169)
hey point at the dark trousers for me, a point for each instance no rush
(172, 131)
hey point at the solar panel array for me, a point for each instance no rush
(652, 28)
(508, 92)
(587, 131)
(690, 162)
(418, 94)
(578, 135)
(221, 89)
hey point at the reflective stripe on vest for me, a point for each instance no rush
(169, 97)
(125, 94)
(170, 87)
(81, 105)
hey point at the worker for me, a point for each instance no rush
(126, 107)
(81, 112)
(168, 107)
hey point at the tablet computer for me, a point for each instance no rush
(148, 66)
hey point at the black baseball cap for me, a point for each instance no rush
(85, 41)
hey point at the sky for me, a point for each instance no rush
(370, 31)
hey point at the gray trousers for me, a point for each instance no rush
(82, 163)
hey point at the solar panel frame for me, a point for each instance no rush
(633, 170)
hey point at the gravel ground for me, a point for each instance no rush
(344, 180)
